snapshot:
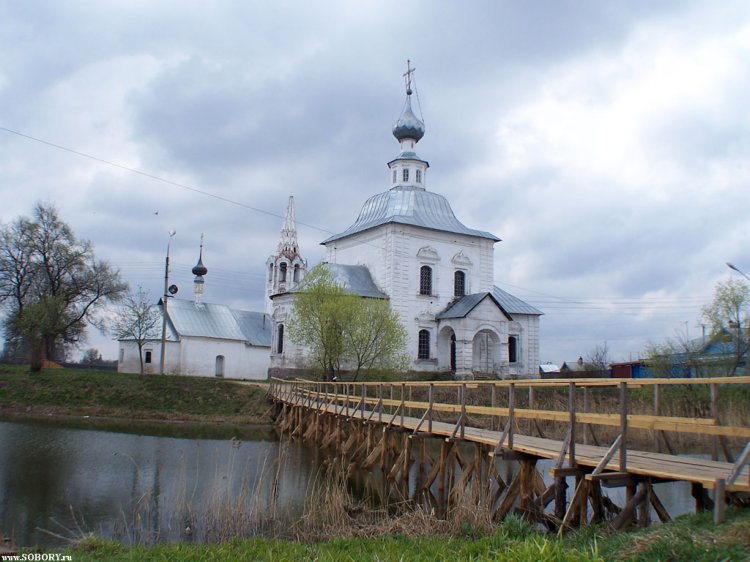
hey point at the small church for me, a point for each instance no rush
(408, 247)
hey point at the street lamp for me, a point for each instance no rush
(735, 268)
(164, 306)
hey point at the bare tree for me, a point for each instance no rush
(597, 359)
(138, 320)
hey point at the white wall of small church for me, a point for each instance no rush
(197, 357)
(128, 361)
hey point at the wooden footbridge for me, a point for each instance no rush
(445, 436)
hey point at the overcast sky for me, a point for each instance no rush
(605, 143)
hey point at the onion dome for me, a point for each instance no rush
(408, 126)
(200, 270)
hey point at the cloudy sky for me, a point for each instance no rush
(606, 143)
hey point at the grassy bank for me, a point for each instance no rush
(688, 538)
(120, 395)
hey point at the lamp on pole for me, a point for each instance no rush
(735, 268)
(165, 298)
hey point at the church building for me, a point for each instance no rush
(407, 246)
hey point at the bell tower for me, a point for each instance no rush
(285, 269)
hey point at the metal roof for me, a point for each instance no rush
(507, 303)
(512, 304)
(219, 321)
(409, 205)
(356, 280)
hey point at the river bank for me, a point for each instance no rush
(692, 537)
(104, 394)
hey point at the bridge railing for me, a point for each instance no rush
(490, 403)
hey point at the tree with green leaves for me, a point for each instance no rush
(342, 330)
(51, 285)
(728, 317)
(137, 320)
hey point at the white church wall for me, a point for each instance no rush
(128, 361)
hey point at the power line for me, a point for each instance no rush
(158, 178)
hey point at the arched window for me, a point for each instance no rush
(219, 366)
(394, 176)
(419, 176)
(280, 339)
(425, 280)
(406, 174)
(295, 278)
(282, 272)
(512, 349)
(270, 272)
(423, 350)
(459, 284)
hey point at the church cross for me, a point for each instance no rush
(408, 73)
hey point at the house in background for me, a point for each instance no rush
(205, 339)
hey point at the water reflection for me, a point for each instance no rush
(142, 483)
(68, 480)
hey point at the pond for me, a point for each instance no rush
(149, 482)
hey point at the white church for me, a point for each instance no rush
(406, 246)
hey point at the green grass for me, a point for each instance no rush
(692, 538)
(104, 393)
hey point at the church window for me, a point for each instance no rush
(512, 349)
(270, 272)
(423, 349)
(406, 174)
(147, 356)
(282, 273)
(280, 339)
(419, 176)
(459, 284)
(394, 176)
(425, 280)
(295, 278)
(219, 371)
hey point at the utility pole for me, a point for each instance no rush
(165, 298)
(747, 351)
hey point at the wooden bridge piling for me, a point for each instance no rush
(361, 425)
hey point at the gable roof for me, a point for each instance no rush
(219, 321)
(463, 306)
(514, 305)
(506, 302)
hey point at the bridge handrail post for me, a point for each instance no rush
(715, 415)
(430, 399)
(572, 412)
(403, 397)
(511, 412)
(346, 398)
(336, 398)
(380, 403)
(364, 399)
(463, 410)
(623, 426)
(493, 404)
